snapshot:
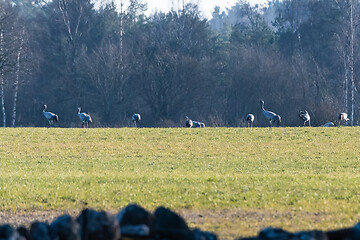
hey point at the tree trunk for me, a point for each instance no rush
(16, 83)
(3, 101)
(346, 82)
(2, 83)
(351, 62)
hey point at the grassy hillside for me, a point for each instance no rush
(233, 181)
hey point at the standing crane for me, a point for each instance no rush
(51, 117)
(85, 118)
(343, 117)
(304, 115)
(136, 118)
(250, 119)
(271, 116)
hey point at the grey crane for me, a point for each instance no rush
(51, 117)
(198, 124)
(136, 118)
(343, 117)
(85, 118)
(271, 116)
(250, 119)
(305, 116)
(193, 124)
(329, 124)
(188, 122)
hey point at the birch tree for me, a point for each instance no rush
(346, 48)
(8, 46)
(16, 82)
(75, 16)
(2, 80)
(351, 59)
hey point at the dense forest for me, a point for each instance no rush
(114, 61)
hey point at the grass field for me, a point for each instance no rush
(232, 181)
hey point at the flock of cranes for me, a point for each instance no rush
(269, 115)
(342, 119)
(84, 117)
(304, 115)
(51, 117)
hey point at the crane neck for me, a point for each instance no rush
(262, 106)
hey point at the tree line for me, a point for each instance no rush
(114, 61)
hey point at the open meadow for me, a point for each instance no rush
(231, 181)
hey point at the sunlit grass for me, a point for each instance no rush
(296, 178)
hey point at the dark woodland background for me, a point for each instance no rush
(293, 54)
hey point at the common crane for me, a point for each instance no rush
(329, 124)
(271, 116)
(343, 117)
(198, 124)
(136, 118)
(250, 119)
(51, 117)
(193, 124)
(188, 122)
(85, 118)
(305, 116)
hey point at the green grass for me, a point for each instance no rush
(235, 180)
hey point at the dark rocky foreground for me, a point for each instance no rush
(134, 223)
(280, 234)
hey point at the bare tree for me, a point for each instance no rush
(75, 16)
(71, 21)
(169, 80)
(105, 71)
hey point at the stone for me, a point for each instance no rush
(98, 225)
(66, 228)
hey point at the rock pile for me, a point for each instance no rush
(135, 223)
(280, 234)
(131, 223)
